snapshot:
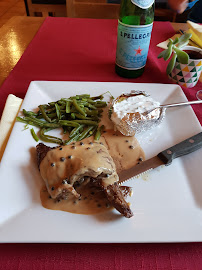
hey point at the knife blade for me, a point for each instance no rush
(163, 158)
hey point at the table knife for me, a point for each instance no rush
(163, 158)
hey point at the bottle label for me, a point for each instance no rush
(132, 45)
(143, 3)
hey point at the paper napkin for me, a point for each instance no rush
(163, 44)
(10, 112)
(195, 29)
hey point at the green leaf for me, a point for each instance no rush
(161, 54)
(184, 37)
(170, 42)
(182, 56)
(183, 44)
(184, 40)
(176, 40)
(168, 52)
(171, 64)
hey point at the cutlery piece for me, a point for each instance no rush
(163, 158)
(181, 104)
(166, 106)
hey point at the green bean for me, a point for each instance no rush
(29, 122)
(48, 138)
(73, 115)
(52, 104)
(49, 110)
(78, 108)
(62, 111)
(86, 122)
(91, 132)
(34, 135)
(46, 106)
(75, 138)
(36, 121)
(85, 132)
(67, 129)
(52, 125)
(26, 127)
(62, 107)
(52, 115)
(83, 96)
(28, 113)
(92, 106)
(41, 123)
(68, 107)
(91, 101)
(82, 101)
(61, 102)
(91, 112)
(45, 116)
(75, 131)
(39, 116)
(100, 104)
(19, 119)
(97, 97)
(57, 108)
(66, 100)
(98, 133)
(79, 116)
(68, 123)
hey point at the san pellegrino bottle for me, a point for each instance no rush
(133, 37)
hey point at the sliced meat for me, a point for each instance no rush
(116, 196)
(117, 200)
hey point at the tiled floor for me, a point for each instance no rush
(10, 8)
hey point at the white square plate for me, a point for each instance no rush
(167, 204)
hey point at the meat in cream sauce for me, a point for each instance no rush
(60, 164)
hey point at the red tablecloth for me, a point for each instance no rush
(84, 50)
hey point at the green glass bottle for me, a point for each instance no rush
(133, 37)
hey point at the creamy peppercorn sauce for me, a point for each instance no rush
(110, 155)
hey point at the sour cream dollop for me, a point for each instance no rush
(133, 104)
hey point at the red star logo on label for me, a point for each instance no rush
(138, 51)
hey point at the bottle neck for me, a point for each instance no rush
(131, 14)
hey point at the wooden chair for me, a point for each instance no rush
(100, 9)
(96, 9)
(45, 8)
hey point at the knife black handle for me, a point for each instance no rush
(183, 148)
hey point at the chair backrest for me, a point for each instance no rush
(96, 9)
(100, 9)
(45, 8)
(165, 14)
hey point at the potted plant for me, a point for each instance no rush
(185, 64)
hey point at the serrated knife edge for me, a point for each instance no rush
(120, 182)
(139, 169)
